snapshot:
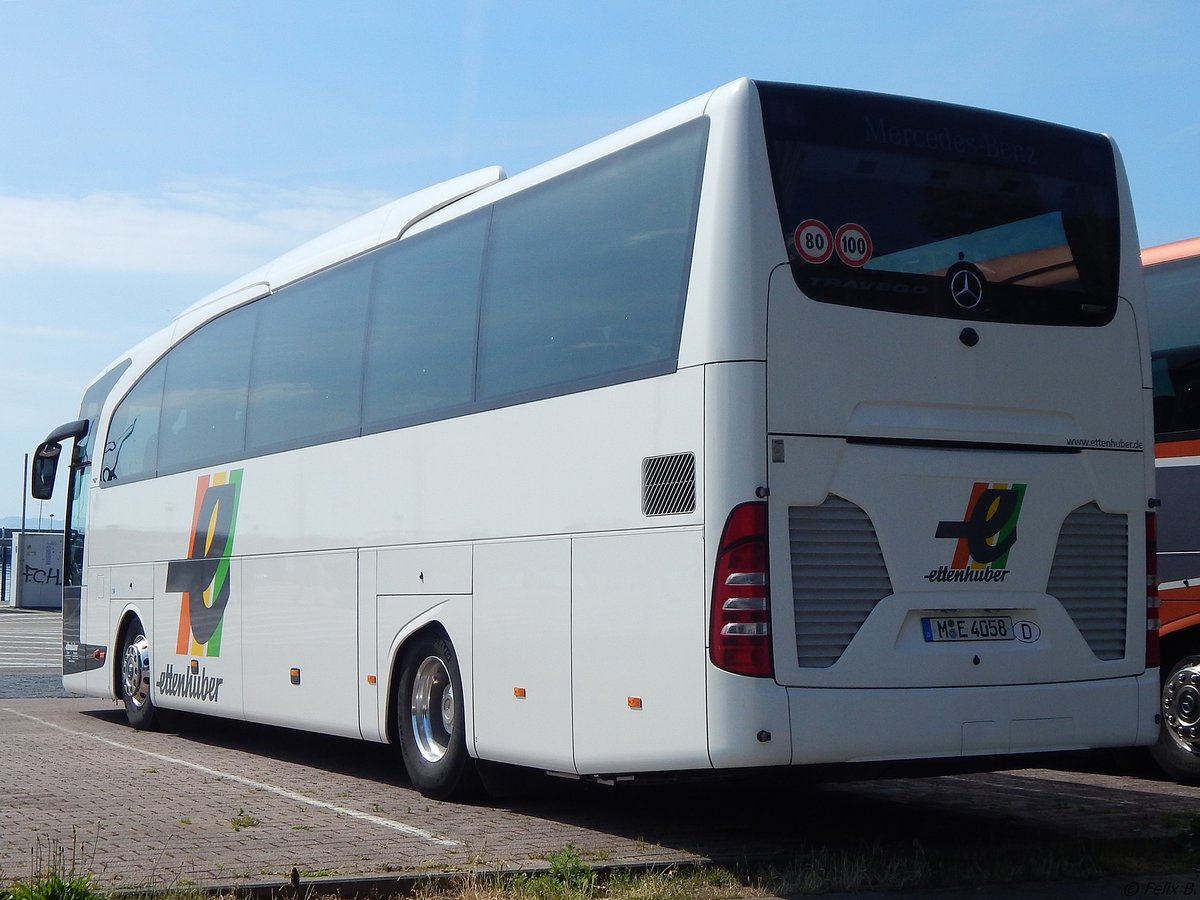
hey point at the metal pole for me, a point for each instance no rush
(24, 489)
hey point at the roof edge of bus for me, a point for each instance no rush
(386, 223)
(392, 220)
(1162, 253)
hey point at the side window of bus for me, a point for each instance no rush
(306, 376)
(1172, 297)
(421, 334)
(1177, 390)
(586, 274)
(131, 445)
(204, 398)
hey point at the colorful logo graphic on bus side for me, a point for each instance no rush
(203, 578)
(985, 535)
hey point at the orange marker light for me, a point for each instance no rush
(371, 679)
(634, 702)
(519, 693)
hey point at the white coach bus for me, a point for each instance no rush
(789, 427)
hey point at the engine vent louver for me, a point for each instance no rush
(838, 575)
(1090, 577)
(669, 484)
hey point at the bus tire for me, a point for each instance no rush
(1177, 750)
(431, 721)
(135, 677)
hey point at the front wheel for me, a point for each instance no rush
(429, 713)
(135, 677)
(1177, 751)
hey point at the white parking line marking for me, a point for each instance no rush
(32, 662)
(259, 785)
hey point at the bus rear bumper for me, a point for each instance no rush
(879, 724)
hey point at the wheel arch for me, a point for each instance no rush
(394, 670)
(1177, 644)
(450, 618)
(125, 620)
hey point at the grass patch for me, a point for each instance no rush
(53, 886)
(820, 869)
(571, 879)
(53, 875)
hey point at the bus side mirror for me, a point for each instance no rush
(45, 459)
(45, 467)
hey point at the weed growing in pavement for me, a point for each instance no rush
(243, 820)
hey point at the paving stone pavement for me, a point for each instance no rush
(223, 803)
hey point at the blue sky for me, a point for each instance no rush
(152, 151)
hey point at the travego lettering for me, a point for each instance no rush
(867, 284)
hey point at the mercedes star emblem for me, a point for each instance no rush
(966, 288)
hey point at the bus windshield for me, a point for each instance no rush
(883, 202)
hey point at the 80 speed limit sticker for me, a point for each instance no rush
(814, 241)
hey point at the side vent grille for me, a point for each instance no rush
(838, 575)
(1090, 577)
(669, 484)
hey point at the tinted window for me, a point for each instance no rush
(421, 340)
(586, 274)
(131, 447)
(306, 378)
(204, 399)
(927, 208)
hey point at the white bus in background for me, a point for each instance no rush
(789, 427)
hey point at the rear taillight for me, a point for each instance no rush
(1153, 656)
(740, 625)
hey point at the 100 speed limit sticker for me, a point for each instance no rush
(815, 243)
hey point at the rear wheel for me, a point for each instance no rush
(429, 713)
(1178, 749)
(135, 677)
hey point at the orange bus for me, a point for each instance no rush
(1172, 274)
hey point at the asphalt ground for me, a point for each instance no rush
(223, 804)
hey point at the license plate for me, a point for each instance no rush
(967, 628)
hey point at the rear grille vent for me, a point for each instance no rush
(1090, 577)
(669, 484)
(838, 575)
